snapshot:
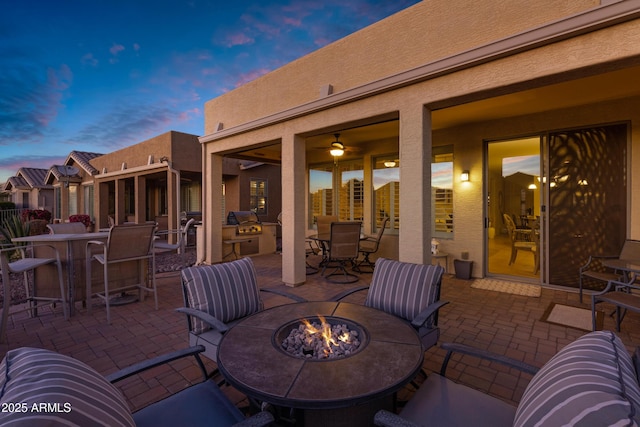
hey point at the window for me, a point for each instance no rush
(386, 191)
(73, 200)
(88, 200)
(351, 193)
(442, 192)
(320, 192)
(258, 196)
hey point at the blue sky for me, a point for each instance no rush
(101, 75)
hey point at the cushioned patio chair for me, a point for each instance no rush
(409, 291)
(218, 296)
(74, 394)
(593, 381)
(368, 246)
(342, 251)
(125, 244)
(22, 260)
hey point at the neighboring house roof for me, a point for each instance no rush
(82, 159)
(29, 178)
(15, 182)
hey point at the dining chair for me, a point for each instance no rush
(369, 245)
(624, 294)
(162, 246)
(342, 251)
(125, 244)
(519, 243)
(67, 228)
(22, 260)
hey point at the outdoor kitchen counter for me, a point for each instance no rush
(251, 362)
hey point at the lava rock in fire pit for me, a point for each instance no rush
(321, 340)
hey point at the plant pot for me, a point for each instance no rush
(463, 268)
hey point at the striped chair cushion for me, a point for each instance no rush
(403, 289)
(53, 389)
(590, 382)
(226, 291)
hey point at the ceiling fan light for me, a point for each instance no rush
(389, 164)
(337, 148)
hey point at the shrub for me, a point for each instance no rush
(7, 206)
(28, 214)
(85, 219)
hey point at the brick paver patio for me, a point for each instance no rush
(503, 323)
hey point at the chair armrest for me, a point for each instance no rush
(261, 419)
(384, 418)
(483, 354)
(346, 293)
(284, 294)
(216, 324)
(157, 361)
(422, 317)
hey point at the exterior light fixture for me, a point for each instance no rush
(337, 148)
(464, 176)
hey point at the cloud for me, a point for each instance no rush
(237, 39)
(31, 100)
(116, 49)
(89, 59)
(251, 75)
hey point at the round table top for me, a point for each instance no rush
(249, 361)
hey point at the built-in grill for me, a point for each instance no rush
(246, 222)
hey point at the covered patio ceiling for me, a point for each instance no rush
(571, 93)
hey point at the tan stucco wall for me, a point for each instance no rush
(415, 36)
(182, 149)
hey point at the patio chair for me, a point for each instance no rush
(623, 294)
(368, 246)
(218, 296)
(409, 291)
(125, 244)
(27, 262)
(163, 246)
(594, 269)
(593, 381)
(75, 394)
(342, 251)
(67, 228)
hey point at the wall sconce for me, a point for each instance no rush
(464, 176)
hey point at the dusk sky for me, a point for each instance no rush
(102, 75)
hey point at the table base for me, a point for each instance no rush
(353, 416)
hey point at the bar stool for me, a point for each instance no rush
(24, 265)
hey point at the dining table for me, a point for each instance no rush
(72, 254)
(626, 266)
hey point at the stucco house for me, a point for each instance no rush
(72, 183)
(446, 109)
(28, 189)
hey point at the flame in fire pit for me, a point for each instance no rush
(320, 339)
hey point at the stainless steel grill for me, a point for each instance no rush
(246, 222)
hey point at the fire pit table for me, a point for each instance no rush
(342, 390)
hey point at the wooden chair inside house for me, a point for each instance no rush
(343, 248)
(22, 260)
(369, 245)
(523, 240)
(129, 251)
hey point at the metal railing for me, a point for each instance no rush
(8, 213)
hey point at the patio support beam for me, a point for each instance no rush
(415, 172)
(293, 210)
(212, 218)
(140, 184)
